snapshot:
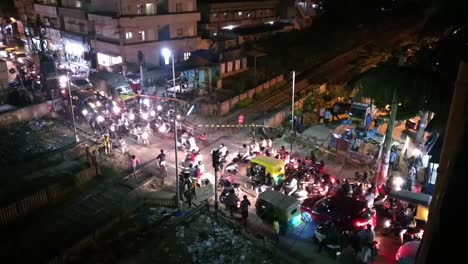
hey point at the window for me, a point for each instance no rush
(186, 56)
(128, 35)
(142, 35)
(150, 9)
(179, 32)
(78, 4)
(140, 9)
(179, 7)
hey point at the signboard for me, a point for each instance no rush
(240, 119)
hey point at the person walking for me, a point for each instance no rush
(107, 144)
(244, 205)
(276, 230)
(328, 115)
(134, 163)
(336, 109)
(392, 160)
(123, 145)
(162, 162)
(321, 115)
(230, 202)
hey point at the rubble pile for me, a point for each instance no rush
(207, 241)
(27, 139)
(155, 234)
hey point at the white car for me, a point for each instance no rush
(21, 57)
(185, 89)
(78, 83)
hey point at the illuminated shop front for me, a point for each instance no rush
(75, 48)
(108, 59)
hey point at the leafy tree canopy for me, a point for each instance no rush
(412, 88)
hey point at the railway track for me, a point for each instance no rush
(336, 69)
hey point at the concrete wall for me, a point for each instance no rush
(228, 105)
(27, 113)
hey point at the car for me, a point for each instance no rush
(406, 254)
(78, 83)
(187, 88)
(21, 57)
(9, 51)
(64, 71)
(345, 212)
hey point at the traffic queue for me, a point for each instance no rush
(347, 212)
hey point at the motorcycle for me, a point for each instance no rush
(393, 227)
(322, 236)
(232, 168)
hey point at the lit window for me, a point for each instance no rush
(240, 13)
(140, 9)
(249, 14)
(186, 56)
(78, 4)
(150, 10)
(225, 14)
(142, 35)
(128, 35)
(179, 32)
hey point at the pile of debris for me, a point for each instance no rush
(208, 241)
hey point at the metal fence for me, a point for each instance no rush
(44, 197)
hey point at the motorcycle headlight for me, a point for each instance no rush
(387, 223)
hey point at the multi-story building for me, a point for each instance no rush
(26, 16)
(229, 14)
(118, 29)
(125, 27)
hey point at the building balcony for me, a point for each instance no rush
(72, 12)
(46, 2)
(46, 10)
(167, 19)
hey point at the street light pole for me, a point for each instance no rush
(175, 138)
(292, 104)
(71, 107)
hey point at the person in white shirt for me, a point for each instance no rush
(269, 143)
(370, 197)
(255, 147)
(291, 187)
(222, 150)
(263, 144)
(192, 143)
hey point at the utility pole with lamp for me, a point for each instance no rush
(216, 162)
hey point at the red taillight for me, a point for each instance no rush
(358, 223)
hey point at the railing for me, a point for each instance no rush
(44, 197)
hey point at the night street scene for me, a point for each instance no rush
(233, 131)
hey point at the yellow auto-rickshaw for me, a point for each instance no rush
(421, 200)
(266, 165)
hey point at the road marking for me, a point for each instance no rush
(132, 147)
